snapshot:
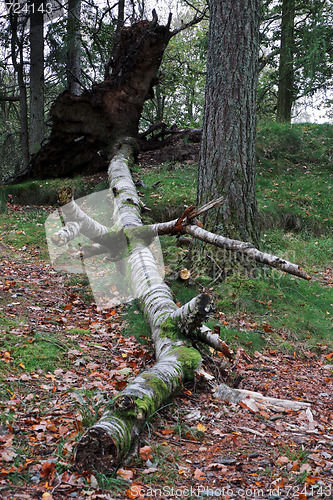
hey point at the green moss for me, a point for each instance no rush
(169, 329)
(159, 387)
(190, 359)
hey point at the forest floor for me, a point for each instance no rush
(62, 360)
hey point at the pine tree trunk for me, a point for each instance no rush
(227, 157)
(36, 76)
(73, 47)
(19, 69)
(286, 66)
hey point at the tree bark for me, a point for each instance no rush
(36, 75)
(73, 47)
(19, 68)
(112, 437)
(227, 157)
(286, 64)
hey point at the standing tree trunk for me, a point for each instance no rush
(36, 75)
(73, 68)
(227, 157)
(19, 68)
(286, 65)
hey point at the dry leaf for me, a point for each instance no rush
(145, 453)
(201, 428)
(312, 479)
(93, 481)
(135, 491)
(198, 474)
(305, 468)
(125, 474)
(150, 470)
(48, 469)
(215, 465)
(282, 460)
(8, 455)
(250, 404)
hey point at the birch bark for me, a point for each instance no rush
(112, 437)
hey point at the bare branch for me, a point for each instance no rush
(9, 97)
(248, 249)
(197, 19)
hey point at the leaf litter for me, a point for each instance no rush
(227, 449)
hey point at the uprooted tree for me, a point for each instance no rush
(106, 119)
(85, 128)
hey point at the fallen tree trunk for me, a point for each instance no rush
(108, 441)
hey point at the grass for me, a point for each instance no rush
(295, 178)
(135, 325)
(32, 352)
(38, 192)
(174, 192)
(24, 230)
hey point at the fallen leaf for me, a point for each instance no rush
(47, 470)
(145, 453)
(215, 465)
(93, 481)
(135, 491)
(150, 470)
(250, 404)
(201, 428)
(125, 474)
(198, 474)
(282, 460)
(305, 468)
(312, 479)
(8, 455)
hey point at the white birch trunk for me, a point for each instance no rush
(107, 441)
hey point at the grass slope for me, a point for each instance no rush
(295, 178)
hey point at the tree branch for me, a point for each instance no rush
(10, 98)
(248, 249)
(197, 19)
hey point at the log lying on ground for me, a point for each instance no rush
(106, 442)
(235, 396)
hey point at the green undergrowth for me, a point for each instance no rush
(45, 192)
(135, 325)
(176, 189)
(283, 309)
(295, 178)
(24, 230)
(31, 352)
